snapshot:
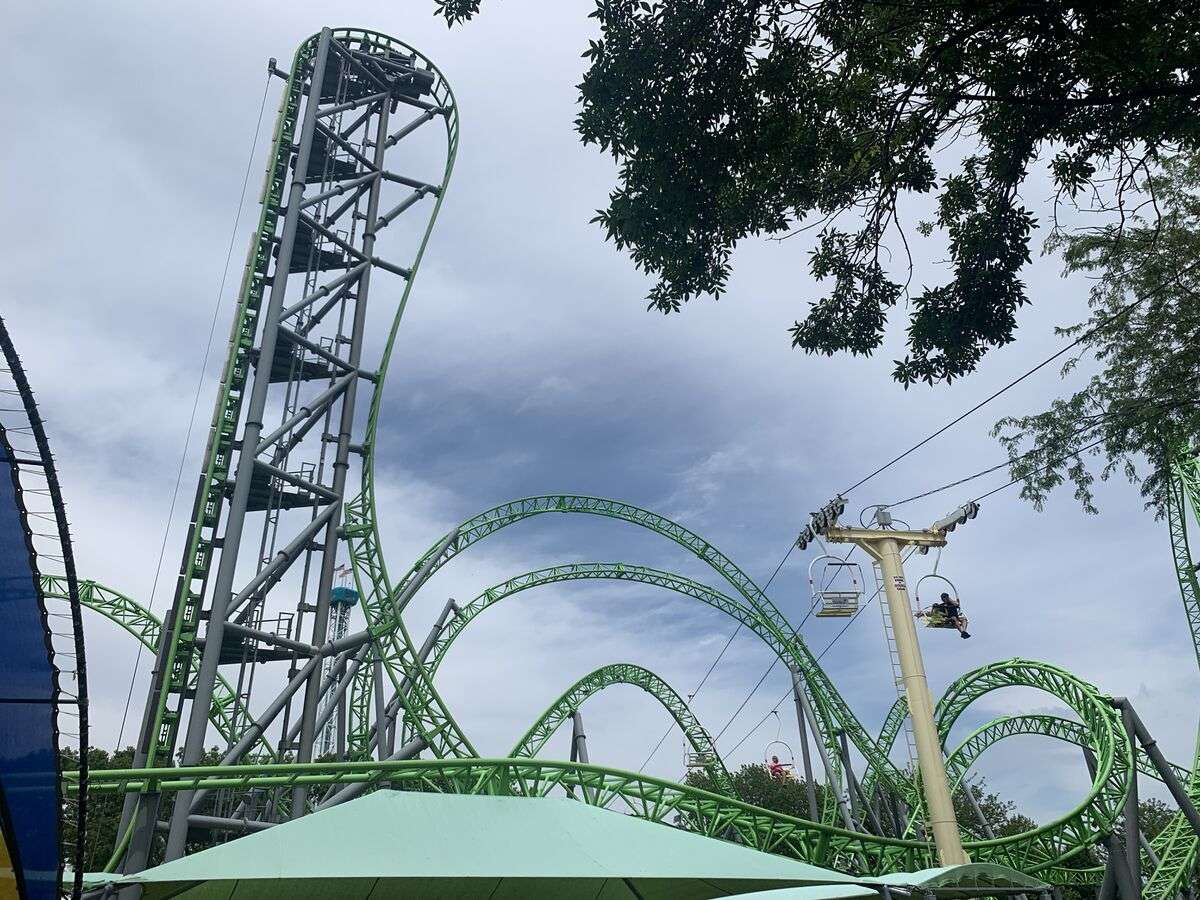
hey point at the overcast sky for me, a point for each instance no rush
(527, 364)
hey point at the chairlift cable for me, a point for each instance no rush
(753, 691)
(759, 684)
(1031, 452)
(750, 733)
(736, 632)
(691, 696)
(195, 402)
(1128, 307)
(1053, 462)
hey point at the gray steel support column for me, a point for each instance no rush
(988, 831)
(339, 688)
(128, 807)
(1108, 885)
(390, 722)
(138, 857)
(830, 772)
(841, 735)
(392, 710)
(886, 809)
(895, 808)
(380, 717)
(451, 606)
(1133, 849)
(855, 788)
(237, 826)
(810, 787)
(341, 466)
(880, 816)
(978, 813)
(140, 754)
(222, 591)
(340, 707)
(1114, 848)
(579, 751)
(1170, 779)
(355, 789)
(1144, 843)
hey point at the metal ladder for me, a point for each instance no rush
(889, 634)
(910, 741)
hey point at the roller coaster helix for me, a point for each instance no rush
(276, 506)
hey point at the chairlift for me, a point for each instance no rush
(934, 619)
(694, 760)
(699, 761)
(776, 752)
(836, 586)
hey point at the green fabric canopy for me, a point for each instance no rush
(433, 846)
(971, 880)
(816, 892)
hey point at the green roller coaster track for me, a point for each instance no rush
(144, 626)
(616, 571)
(1095, 816)
(184, 623)
(698, 738)
(457, 766)
(225, 713)
(831, 708)
(964, 756)
(1180, 843)
(1032, 851)
(646, 796)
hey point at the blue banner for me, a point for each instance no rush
(29, 812)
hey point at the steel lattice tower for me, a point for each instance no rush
(288, 428)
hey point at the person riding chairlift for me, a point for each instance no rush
(777, 769)
(947, 614)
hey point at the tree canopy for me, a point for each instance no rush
(1144, 330)
(754, 784)
(735, 118)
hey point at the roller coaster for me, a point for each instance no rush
(277, 509)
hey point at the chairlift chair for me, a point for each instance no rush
(699, 760)
(836, 586)
(933, 619)
(774, 759)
